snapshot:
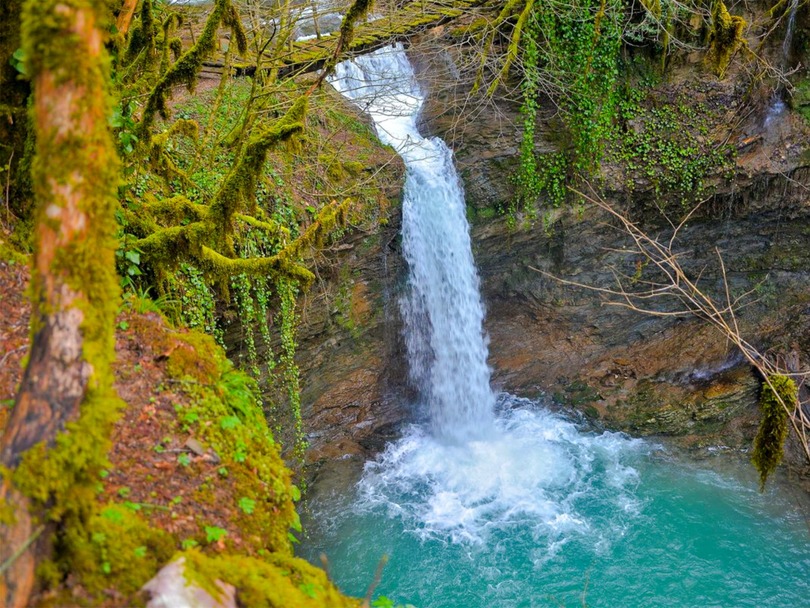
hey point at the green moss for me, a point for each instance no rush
(234, 22)
(725, 38)
(117, 549)
(277, 582)
(186, 69)
(160, 161)
(778, 398)
(578, 394)
(11, 254)
(196, 356)
(238, 190)
(169, 43)
(353, 167)
(142, 35)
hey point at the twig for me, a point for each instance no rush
(375, 582)
(694, 301)
(22, 549)
(8, 187)
(11, 352)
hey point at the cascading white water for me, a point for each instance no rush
(778, 106)
(474, 473)
(787, 43)
(443, 311)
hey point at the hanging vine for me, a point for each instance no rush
(575, 45)
(288, 290)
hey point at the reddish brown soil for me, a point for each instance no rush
(149, 440)
(15, 312)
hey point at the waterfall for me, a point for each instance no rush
(778, 106)
(787, 43)
(443, 312)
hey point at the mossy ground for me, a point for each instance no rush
(192, 465)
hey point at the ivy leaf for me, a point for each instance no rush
(214, 534)
(229, 422)
(17, 61)
(248, 505)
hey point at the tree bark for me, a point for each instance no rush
(74, 288)
(124, 19)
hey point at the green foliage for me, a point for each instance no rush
(235, 232)
(214, 534)
(577, 45)
(777, 399)
(196, 298)
(287, 292)
(17, 61)
(666, 148)
(248, 505)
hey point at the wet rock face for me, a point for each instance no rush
(350, 350)
(636, 372)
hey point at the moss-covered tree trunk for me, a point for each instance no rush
(13, 122)
(74, 287)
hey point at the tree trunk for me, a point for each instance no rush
(124, 19)
(74, 288)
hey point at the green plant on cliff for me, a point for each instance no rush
(777, 399)
(576, 46)
(664, 147)
(570, 54)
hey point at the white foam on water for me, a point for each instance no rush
(535, 471)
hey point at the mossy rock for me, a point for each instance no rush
(118, 549)
(276, 582)
(196, 356)
(725, 38)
